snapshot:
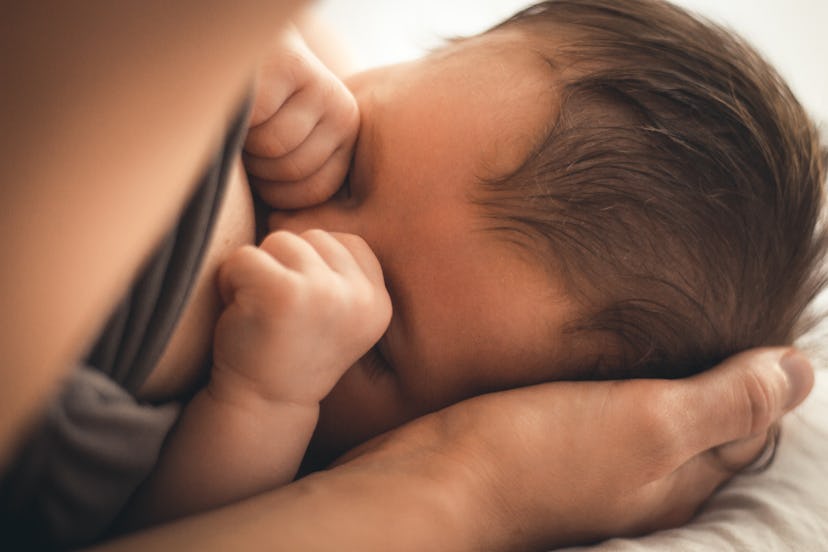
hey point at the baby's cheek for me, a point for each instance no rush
(362, 405)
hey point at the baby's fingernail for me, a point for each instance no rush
(800, 376)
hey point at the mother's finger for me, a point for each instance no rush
(741, 399)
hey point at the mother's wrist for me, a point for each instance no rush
(444, 487)
(421, 502)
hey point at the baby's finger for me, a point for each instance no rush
(288, 126)
(306, 158)
(350, 256)
(363, 255)
(293, 252)
(316, 189)
(247, 267)
(272, 90)
(288, 69)
(338, 257)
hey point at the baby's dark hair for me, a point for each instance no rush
(678, 193)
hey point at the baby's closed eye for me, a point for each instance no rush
(375, 364)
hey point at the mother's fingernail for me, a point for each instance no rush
(800, 375)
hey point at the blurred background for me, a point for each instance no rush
(792, 34)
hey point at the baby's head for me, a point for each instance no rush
(678, 193)
(594, 188)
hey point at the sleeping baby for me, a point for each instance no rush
(591, 189)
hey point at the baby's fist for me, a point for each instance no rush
(303, 127)
(300, 310)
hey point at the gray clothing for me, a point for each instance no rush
(95, 446)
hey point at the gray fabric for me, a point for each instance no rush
(94, 449)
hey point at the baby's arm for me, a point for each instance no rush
(299, 311)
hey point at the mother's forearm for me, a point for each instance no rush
(347, 508)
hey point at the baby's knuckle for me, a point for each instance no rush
(274, 241)
(314, 234)
(243, 259)
(238, 258)
(353, 240)
(329, 88)
(295, 66)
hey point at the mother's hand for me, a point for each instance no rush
(567, 463)
(538, 467)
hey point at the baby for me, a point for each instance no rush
(591, 189)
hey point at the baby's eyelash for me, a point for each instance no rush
(375, 364)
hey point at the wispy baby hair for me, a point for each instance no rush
(678, 192)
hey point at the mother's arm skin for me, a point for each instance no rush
(606, 459)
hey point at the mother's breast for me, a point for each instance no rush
(184, 361)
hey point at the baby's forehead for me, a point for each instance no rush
(506, 67)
